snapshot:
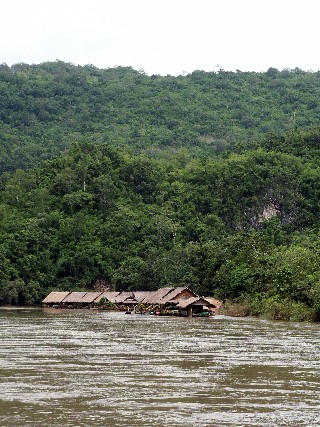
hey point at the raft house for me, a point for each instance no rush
(179, 301)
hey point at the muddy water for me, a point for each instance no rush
(87, 368)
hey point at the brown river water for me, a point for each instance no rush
(94, 369)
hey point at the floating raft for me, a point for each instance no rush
(180, 301)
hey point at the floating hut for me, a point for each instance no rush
(167, 297)
(141, 295)
(156, 296)
(55, 299)
(195, 306)
(73, 300)
(126, 301)
(106, 301)
(175, 301)
(168, 301)
(88, 300)
(107, 296)
(177, 294)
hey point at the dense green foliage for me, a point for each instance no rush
(46, 107)
(139, 223)
(162, 181)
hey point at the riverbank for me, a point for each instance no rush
(270, 308)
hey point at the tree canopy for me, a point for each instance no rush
(45, 108)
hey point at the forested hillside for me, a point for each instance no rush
(45, 108)
(142, 182)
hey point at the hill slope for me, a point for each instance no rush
(159, 181)
(45, 108)
(245, 226)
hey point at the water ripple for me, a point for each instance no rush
(88, 368)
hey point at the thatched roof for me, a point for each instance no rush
(161, 296)
(108, 296)
(55, 297)
(174, 294)
(125, 297)
(90, 297)
(156, 296)
(193, 301)
(141, 295)
(75, 297)
(215, 302)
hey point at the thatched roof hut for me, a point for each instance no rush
(178, 294)
(108, 296)
(181, 299)
(165, 295)
(155, 297)
(192, 301)
(125, 297)
(74, 297)
(141, 295)
(55, 297)
(194, 306)
(90, 297)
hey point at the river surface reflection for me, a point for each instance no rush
(89, 369)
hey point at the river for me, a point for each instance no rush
(96, 369)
